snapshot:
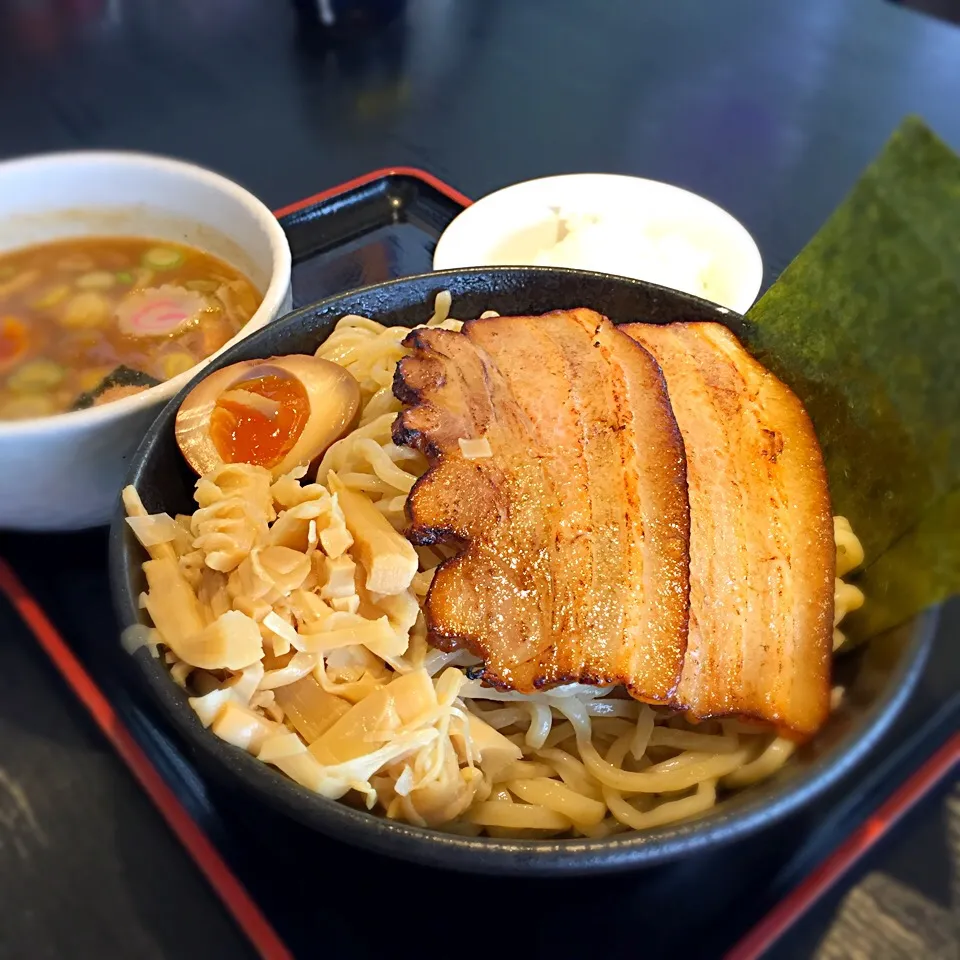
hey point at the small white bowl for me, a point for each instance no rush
(644, 229)
(64, 472)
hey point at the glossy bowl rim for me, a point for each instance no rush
(487, 855)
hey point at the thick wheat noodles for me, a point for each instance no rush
(347, 697)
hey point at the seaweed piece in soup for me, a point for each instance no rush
(119, 383)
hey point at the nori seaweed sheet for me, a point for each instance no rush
(120, 377)
(864, 325)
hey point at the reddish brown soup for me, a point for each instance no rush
(74, 311)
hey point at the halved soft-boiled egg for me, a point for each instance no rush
(279, 413)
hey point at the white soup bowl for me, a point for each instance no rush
(64, 472)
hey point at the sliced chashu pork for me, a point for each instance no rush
(762, 553)
(574, 565)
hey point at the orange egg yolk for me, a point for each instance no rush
(243, 433)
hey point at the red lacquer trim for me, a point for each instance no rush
(236, 899)
(455, 195)
(234, 896)
(818, 882)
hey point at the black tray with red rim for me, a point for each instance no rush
(86, 868)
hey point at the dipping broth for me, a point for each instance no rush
(84, 321)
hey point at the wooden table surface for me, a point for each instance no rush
(769, 107)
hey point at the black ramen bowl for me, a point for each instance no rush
(877, 677)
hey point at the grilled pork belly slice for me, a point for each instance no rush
(762, 553)
(575, 530)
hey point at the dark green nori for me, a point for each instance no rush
(864, 326)
(120, 377)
